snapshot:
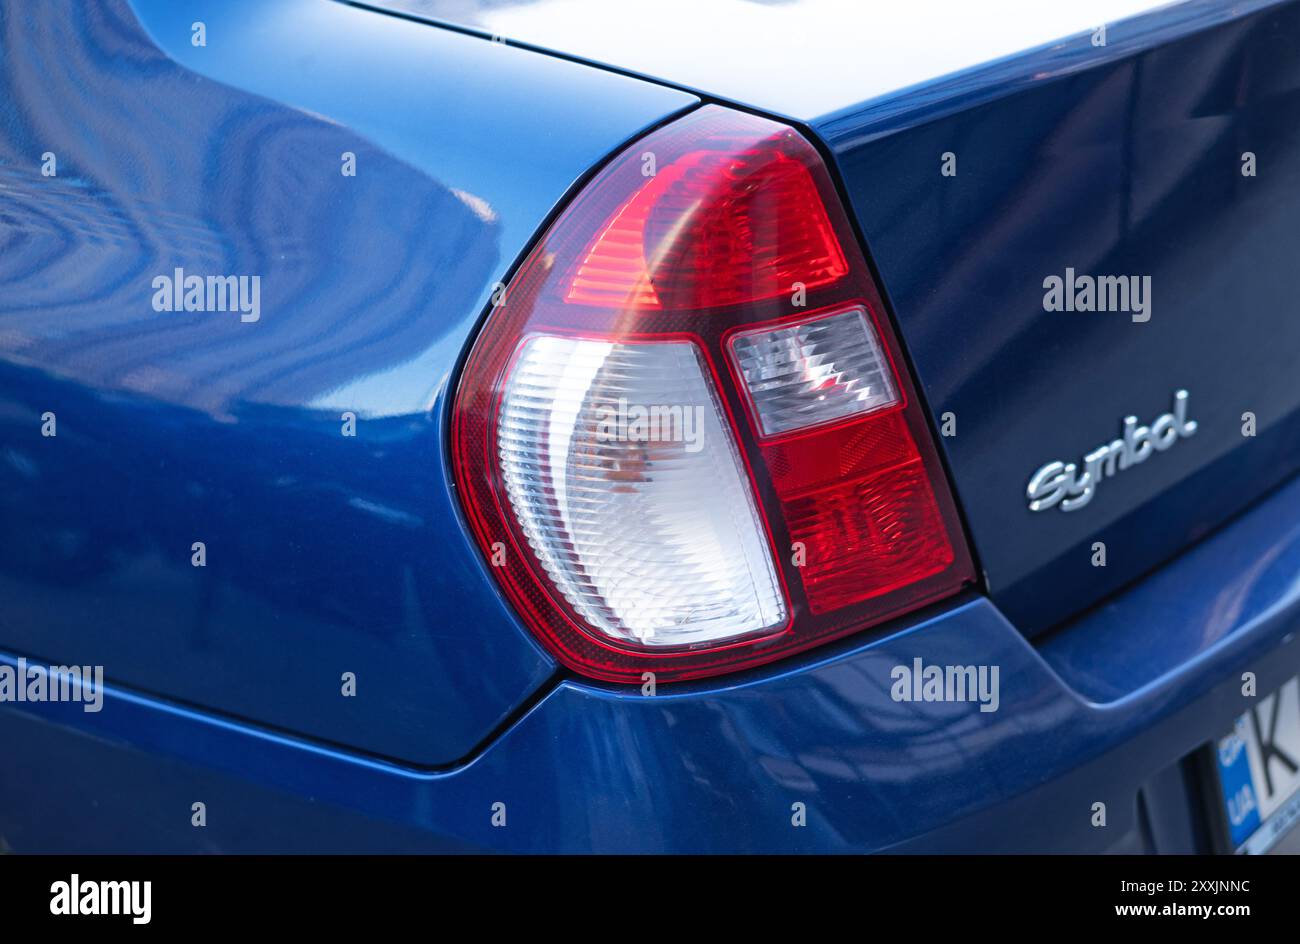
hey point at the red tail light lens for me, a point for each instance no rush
(754, 227)
(684, 438)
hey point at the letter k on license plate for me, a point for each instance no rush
(1259, 767)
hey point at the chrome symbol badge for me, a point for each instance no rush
(1060, 483)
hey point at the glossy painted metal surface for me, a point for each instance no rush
(797, 58)
(1112, 163)
(325, 554)
(319, 561)
(718, 768)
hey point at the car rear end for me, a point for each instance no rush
(896, 459)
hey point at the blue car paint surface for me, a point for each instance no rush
(224, 685)
(325, 554)
(1130, 166)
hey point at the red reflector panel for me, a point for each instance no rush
(868, 536)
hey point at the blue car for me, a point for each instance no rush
(709, 426)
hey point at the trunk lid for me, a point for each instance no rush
(1131, 161)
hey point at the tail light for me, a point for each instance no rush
(684, 437)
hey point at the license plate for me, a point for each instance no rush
(1259, 768)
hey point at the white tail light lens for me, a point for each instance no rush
(826, 369)
(628, 485)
